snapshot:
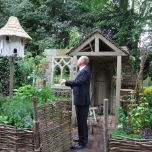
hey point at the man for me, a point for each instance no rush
(81, 89)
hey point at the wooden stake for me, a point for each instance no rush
(36, 126)
(105, 124)
(11, 81)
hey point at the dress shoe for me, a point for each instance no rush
(77, 147)
(76, 139)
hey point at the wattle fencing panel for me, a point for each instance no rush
(53, 121)
(14, 139)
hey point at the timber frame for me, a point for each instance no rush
(96, 44)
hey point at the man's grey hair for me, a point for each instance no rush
(85, 59)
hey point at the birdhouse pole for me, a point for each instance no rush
(11, 78)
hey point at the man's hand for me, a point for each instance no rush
(62, 81)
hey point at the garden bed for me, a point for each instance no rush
(121, 144)
(52, 131)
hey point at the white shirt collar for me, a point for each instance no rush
(82, 68)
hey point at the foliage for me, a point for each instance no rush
(4, 75)
(124, 133)
(122, 118)
(23, 68)
(74, 37)
(148, 91)
(139, 116)
(148, 95)
(26, 92)
(16, 111)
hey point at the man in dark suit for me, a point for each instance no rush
(81, 91)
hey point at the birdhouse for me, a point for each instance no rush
(13, 39)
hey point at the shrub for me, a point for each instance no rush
(148, 95)
(16, 111)
(26, 92)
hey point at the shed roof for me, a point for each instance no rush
(13, 28)
(106, 39)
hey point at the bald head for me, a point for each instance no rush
(83, 61)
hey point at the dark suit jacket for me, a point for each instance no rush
(81, 87)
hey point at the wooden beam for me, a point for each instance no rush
(118, 87)
(11, 81)
(85, 49)
(79, 48)
(96, 44)
(91, 47)
(98, 54)
(111, 45)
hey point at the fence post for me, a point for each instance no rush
(36, 126)
(105, 125)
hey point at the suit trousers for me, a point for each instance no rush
(82, 115)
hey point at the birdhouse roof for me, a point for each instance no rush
(13, 28)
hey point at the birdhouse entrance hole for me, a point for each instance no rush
(7, 38)
(15, 51)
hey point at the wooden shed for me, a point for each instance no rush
(109, 63)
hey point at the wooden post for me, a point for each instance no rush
(118, 87)
(36, 126)
(105, 124)
(11, 81)
(74, 66)
(96, 44)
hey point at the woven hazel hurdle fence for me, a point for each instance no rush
(52, 126)
(16, 140)
(130, 145)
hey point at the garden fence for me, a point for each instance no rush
(15, 139)
(51, 132)
(53, 127)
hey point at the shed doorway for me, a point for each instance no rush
(101, 83)
(102, 87)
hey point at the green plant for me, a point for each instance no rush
(122, 118)
(148, 95)
(138, 115)
(124, 133)
(74, 37)
(25, 91)
(16, 111)
(5, 120)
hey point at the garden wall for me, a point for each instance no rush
(130, 145)
(16, 140)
